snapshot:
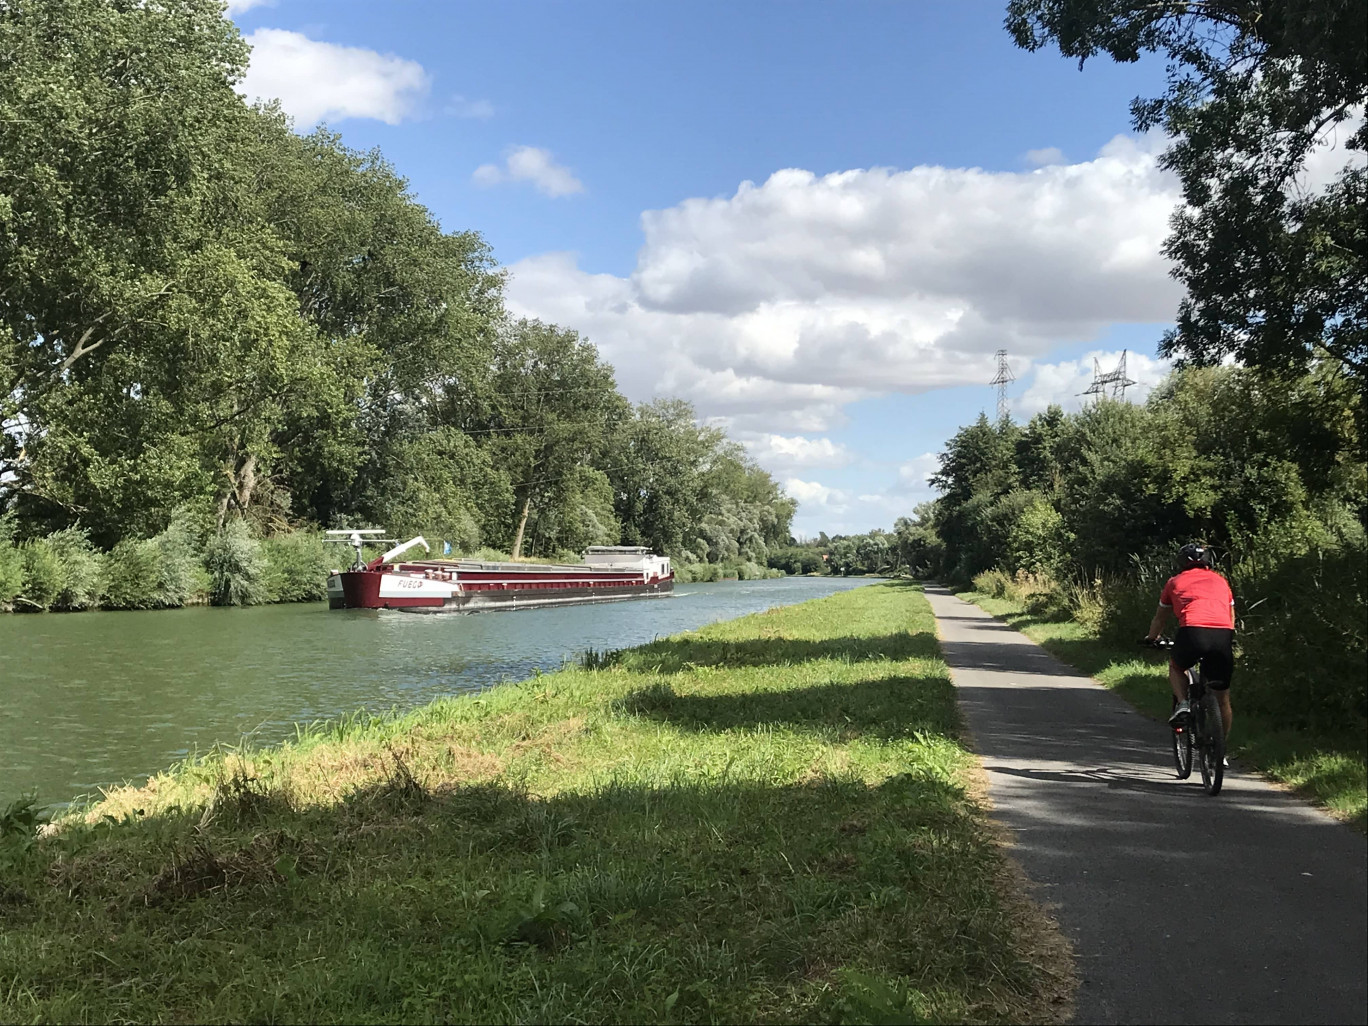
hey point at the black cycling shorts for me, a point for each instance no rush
(1212, 647)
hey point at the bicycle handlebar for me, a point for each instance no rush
(1157, 642)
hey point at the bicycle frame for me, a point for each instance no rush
(1204, 727)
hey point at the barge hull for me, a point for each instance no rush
(488, 601)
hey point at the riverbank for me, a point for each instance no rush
(770, 819)
(1329, 768)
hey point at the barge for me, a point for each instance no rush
(609, 573)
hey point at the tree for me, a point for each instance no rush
(1275, 270)
(154, 344)
(554, 404)
(408, 316)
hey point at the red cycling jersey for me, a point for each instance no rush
(1200, 597)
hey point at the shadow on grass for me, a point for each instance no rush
(484, 903)
(888, 709)
(675, 655)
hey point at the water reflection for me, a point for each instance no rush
(88, 699)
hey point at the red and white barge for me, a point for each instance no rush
(609, 573)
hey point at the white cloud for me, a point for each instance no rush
(775, 307)
(238, 6)
(461, 107)
(315, 80)
(914, 474)
(782, 452)
(814, 493)
(1046, 157)
(1064, 383)
(530, 164)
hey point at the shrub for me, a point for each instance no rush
(42, 575)
(296, 567)
(11, 564)
(80, 569)
(236, 567)
(132, 575)
(1303, 655)
(993, 582)
(701, 573)
(181, 574)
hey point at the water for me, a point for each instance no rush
(92, 699)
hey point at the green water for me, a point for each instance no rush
(92, 699)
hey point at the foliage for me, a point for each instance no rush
(1274, 267)
(79, 572)
(440, 482)
(42, 575)
(204, 311)
(11, 563)
(237, 567)
(132, 575)
(296, 567)
(1078, 517)
(797, 559)
(180, 573)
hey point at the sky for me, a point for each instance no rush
(817, 222)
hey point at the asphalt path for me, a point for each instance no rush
(1250, 907)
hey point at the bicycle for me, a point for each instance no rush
(1202, 730)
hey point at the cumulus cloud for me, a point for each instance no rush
(530, 164)
(1046, 157)
(776, 306)
(461, 107)
(238, 6)
(1064, 383)
(815, 494)
(780, 453)
(314, 80)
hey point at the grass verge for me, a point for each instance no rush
(1331, 769)
(767, 820)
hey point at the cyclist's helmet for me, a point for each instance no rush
(1195, 554)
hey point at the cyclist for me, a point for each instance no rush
(1201, 600)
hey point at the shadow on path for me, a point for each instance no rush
(1140, 866)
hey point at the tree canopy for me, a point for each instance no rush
(204, 314)
(1274, 261)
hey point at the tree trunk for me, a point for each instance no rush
(242, 482)
(522, 526)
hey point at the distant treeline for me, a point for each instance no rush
(208, 320)
(1081, 515)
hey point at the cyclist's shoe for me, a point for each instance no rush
(1180, 713)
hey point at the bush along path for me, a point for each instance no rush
(768, 820)
(1247, 907)
(1324, 757)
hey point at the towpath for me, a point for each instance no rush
(1250, 907)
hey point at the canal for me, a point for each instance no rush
(92, 699)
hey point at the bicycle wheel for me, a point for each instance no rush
(1182, 749)
(1211, 745)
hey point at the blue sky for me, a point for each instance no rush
(921, 193)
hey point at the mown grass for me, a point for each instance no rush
(767, 820)
(1330, 768)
